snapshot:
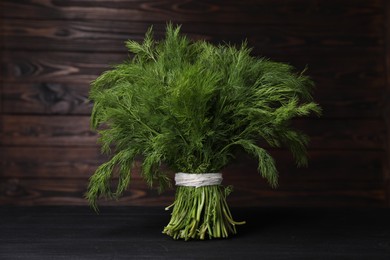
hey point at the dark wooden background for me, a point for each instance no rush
(52, 49)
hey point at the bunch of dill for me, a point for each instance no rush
(192, 106)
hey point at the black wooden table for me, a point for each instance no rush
(135, 233)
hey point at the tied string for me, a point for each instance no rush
(198, 179)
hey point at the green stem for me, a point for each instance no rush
(198, 212)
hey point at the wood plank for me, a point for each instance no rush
(135, 233)
(230, 12)
(53, 162)
(59, 82)
(49, 68)
(343, 133)
(354, 72)
(331, 198)
(46, 191)
(325, 166)
(68, 191)
(81, 162)
(347, 103)
(109, 36)
(47, 98)
(65, 131)
(72, 99)
(47, 131)
(54, 176)
(333, 178)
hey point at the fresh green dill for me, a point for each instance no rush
(192, 106)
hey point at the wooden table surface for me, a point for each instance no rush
(135, 233)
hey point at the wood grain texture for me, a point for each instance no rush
(66, 98)
(67, 191)
(135, 233)
(65, 131)
(65, 173)
(69, 98)
(51, 50)
(230, 11)
(353, 71)
(36, 82)
(80, 162)
(109, 36)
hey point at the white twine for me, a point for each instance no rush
(197, 179)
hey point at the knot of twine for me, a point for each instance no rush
(198, 179)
